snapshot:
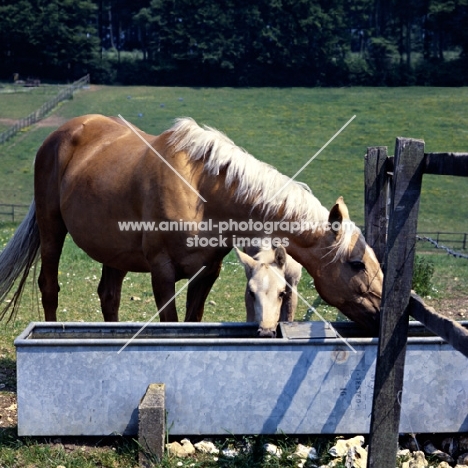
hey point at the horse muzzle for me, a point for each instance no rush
(266, 333)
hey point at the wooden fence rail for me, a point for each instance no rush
(40, 113)
(452, 332)
(391, 231)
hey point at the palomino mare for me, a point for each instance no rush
(271, 290)
(94, 172)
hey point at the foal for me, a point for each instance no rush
(271, 291)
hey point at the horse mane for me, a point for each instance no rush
(255, 180)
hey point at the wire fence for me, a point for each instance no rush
(451, 242)
(40, 113)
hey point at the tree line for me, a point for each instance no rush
(237, 42)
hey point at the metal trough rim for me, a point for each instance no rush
(24, 338)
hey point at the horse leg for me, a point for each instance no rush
(289, 305)
(249, 306)
(163, 283)
(51, 248)
(109, 290)
(197, 292)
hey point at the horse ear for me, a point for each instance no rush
(337, 214)
(245, 259)
(280, 256)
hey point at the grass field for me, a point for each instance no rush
(284, 127)
(19, 101)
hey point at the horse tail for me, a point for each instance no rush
(16, 259)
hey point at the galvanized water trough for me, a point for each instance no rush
(219, 379)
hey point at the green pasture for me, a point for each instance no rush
(19, 101)
(284, 127)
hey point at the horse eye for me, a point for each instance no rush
(251, 294)
(357, 265)
(282, 294)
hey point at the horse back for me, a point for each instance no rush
(94, 149)
(93, 173)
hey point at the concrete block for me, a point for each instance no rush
(152, 425)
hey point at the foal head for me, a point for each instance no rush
(266, 288)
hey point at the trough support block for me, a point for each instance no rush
(152, 425)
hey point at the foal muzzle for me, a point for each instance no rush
(266, 333)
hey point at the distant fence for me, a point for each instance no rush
(457, 240)
(40, 113)
(13, 213)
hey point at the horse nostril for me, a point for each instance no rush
(261, 333)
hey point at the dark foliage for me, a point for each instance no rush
(237, 43)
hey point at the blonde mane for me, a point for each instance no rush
(256, 180)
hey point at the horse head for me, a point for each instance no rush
(266, 288)
(347, 274)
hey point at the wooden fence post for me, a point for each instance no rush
(399, 258)
(375, 196)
